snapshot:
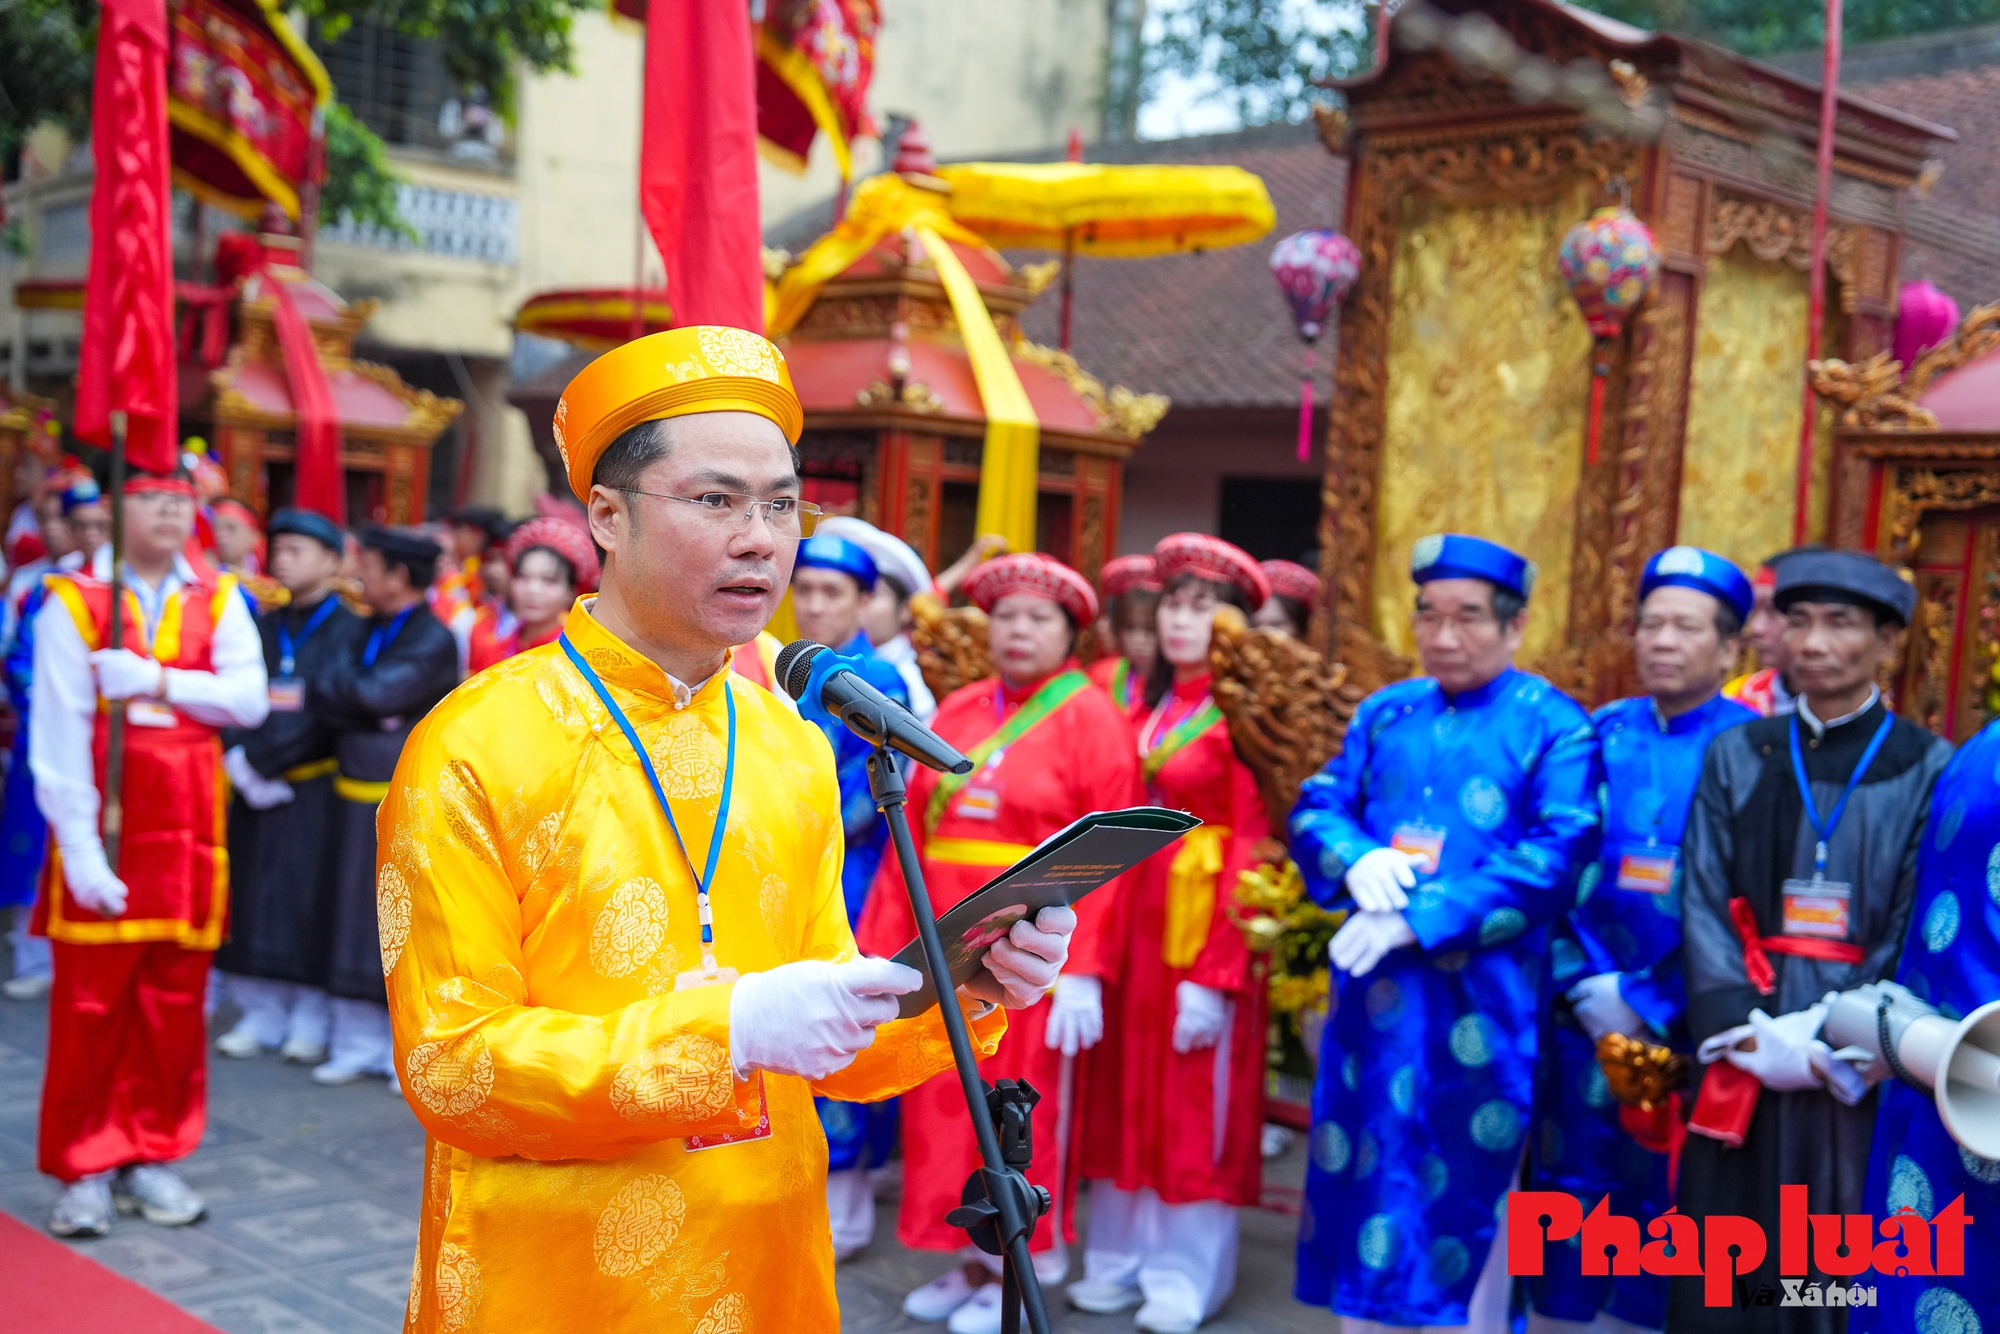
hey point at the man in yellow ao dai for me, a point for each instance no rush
(620, 1124)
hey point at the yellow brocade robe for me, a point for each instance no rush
(534, 912)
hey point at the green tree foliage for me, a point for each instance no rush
(1261, 57)
(45, 59)
(360, 183)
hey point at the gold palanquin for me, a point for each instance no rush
(894, 425)
(20, 419)
(387, 428)
(1463, 373)
(1916, 481)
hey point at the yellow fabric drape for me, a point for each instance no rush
(1197, 865)
(887, 203)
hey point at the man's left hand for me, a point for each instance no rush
(123, 674)
(1365, 937)
(1023, 964)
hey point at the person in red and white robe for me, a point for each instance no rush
(547, 562)
(126, 1085)
(1129, 629)
(1174, 1122)
(1048, 748)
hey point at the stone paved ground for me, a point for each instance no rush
(312, 1197)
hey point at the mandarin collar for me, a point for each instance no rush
(1480, 696)
(1693, 720)
(619, 664)
(1192, 688)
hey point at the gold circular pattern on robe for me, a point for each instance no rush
(730, 1315)
(685, 1078)
(689, 758)
(458, 1287)
(629, 929)
(392, 914)
(451, 1078)
(463, 815)
(638, 1225)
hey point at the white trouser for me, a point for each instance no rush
(1181, 1256)
(850, 1207)
(1051, 1265)
(32, 956)
(1485, 1313)
(279, 1012)
(360, 1038)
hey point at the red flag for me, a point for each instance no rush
(698, 160)
(319, 484)
(128, 302)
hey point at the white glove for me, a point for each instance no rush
(1601, 1009)
(1026, 961)
(1782, 1057)
(1365, 937)
(91, 881)
(123, 674)
(812, 1017)
(259, 792)
(1849, 1073)
(1378, 880)
(1076, 1014)
(1199, 1017)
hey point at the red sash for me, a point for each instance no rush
(173, 851)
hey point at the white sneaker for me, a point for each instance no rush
(938, 1298)
(337, 1072)
(1166, 1318)
(1275, 1139)
(302, 1051)
(84, 1209)
(32, 987)
(980, 1315)
(157, 1194)
(1103, 1296)
(240, 1042)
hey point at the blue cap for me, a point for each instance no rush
(823, 552)
(83, 491)
(1460, 556)
(1704, 572)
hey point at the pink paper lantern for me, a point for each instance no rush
(1609, 262)
(1315, 270)
(1925, 317)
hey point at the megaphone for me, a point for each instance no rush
(1959, 1060)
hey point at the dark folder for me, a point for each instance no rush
(1066, 866)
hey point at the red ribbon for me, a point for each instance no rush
(1756, 964)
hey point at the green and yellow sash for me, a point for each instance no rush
(1052, 695)
(1186, 730)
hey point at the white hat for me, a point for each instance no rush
(893, 556)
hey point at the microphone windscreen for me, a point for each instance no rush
(794, 666)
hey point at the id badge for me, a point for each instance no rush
(287, 696)
(980, 799)
(1422, 841)
(149, 713)
(1817, 908)
(711, 976)
(1647, 868)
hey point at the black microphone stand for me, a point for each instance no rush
(999, 1207)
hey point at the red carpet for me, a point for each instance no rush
(46, 1288)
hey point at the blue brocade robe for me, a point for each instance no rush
(1427, 1067)
(857, 1134)
(1630, 926)
(23, 831)
(1952, 960)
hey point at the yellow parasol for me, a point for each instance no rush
(1108, 209)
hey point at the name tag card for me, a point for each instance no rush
(1422, 841)
(1817, 908)
(287, 696)
(149, 713)
(1648, 869)
(980, 799)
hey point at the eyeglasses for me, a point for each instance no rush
(162, 500)
(1468, 622)
(788, 515)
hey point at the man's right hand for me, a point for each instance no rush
(1378, 880)
(91, 881)
(812, 1018)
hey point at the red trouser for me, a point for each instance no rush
(127, 1077)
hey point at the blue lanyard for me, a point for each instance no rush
(1825, 829)
(288, 651)
(707, 876)
(384, 634)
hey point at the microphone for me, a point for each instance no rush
(814, 672)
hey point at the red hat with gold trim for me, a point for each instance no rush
(566, 539)
(1289, 579)
(1032, 572)
(1212, 559)
(1127, 573)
